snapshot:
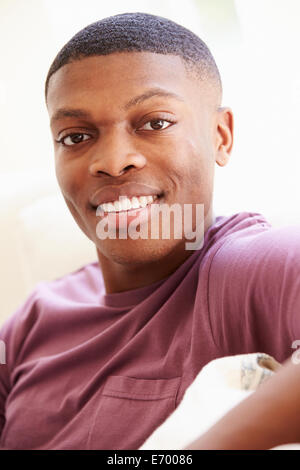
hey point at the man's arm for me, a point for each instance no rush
(254, 292)
(268, 418)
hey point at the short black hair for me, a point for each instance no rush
(132, 32)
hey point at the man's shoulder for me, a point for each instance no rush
(256, 254)
(253, 290)
(82, 286)
(78, 285)
(49, 301)
(249, 238)
(227, 233)
(239, 224)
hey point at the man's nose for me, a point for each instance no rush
(114, 154)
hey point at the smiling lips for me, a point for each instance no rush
(126, 204)
(124, 197)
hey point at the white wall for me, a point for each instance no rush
(262, 84)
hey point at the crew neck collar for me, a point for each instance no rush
(133, 297)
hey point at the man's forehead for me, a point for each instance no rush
(121, 69)
(134, 101)
(132, 78)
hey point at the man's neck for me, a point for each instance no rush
(121, 276)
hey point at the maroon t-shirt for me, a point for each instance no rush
(90, 370)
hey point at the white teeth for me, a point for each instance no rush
(149, 199)
(125, 204)
(108, 207)
(135, 203)
(143, 201)
(118, 206)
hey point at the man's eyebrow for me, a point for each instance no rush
(69, 112)
(81, 113)
(149, 94)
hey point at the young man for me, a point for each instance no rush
(99, 358)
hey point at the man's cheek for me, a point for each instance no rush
(59, 169)
(69, 184)
(80, 218)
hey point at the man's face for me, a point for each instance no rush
(167, 142)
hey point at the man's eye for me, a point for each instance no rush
(78, 137)
(73, 139)
(156, 125)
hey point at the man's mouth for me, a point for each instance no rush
(127, 204)
(124, 197)
(122, 212)
(119, 205)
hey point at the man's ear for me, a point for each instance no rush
(224, 135)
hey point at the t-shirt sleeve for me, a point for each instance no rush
(254, 292)
(12, 334)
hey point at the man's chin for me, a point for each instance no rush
(130, 252)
